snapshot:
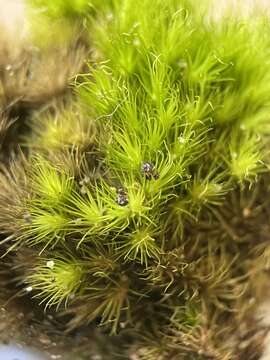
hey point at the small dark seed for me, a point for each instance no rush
(148, 176)
(122, 200)
(147, 167)
(121, 191)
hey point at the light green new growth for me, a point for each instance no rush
(55, 280)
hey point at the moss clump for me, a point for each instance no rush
(127, 190)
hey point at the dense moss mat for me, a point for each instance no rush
(136, 213)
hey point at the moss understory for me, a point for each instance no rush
(134, 183)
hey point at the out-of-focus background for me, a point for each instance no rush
(16, 352)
